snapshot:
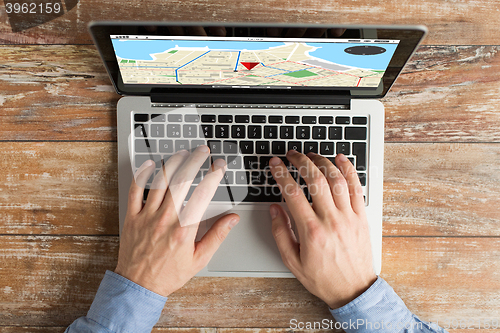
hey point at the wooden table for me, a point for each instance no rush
(58, 169)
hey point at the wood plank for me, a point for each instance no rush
(71, 188)
(50, 281)
(59, 329)
(446, 93)
(471, 22)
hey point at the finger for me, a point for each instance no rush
(136, 192)
(203, 194)
(161, 181)
(285, 238)
(317, 184)
(336, 181)
(179, 185)
(353, 183)
(210, 242)
(299, 207)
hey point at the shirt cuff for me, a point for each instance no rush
(378, 309)
(121, 305)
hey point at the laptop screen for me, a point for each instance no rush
(293, 63)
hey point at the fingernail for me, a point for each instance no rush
(342, 158)
(148, 163)
(311, 154)
(183, 152)
(274, 161)
(234, 221)
(220, 163)
(292, 152)
(202, 148)
(274, 212)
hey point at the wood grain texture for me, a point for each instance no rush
(449, 22)
(438, 189)
(448, 93)
(59, 329)
(50, 281)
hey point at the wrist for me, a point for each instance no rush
(354, 292)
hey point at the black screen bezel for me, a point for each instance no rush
(409, 36)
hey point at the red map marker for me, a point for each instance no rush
(249, 65)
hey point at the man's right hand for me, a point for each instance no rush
(333, 259)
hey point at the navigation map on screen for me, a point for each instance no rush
(262, 62)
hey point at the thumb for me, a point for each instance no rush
(285, 237)
(210, 242)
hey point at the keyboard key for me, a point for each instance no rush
(362, 178)
(259, 119)
(222, 131)
(250, 162)
(355, 133)
(196, 143)
(145, 146)
(319, 132)
(254, 132)
(173, 131)
(310, 147)
(208, 118)
(342, 120)
(177, 118)
(284, 160)
(286, 132)
(343, 148)
(158, 118)
(331, 159)
(234, 162)
(264, 162)
(191, 118)
(207, 131)
(231, 193)
(359, 120)
(326, 120)
(141, 117)
(228, 178)
(359, 150)
(157, 131)
(295, 145)
(292, 119)
(225, 118)
(197, 178)
(275, 119)
(140, 159)
(145, 194)
(303, 132)
(242, 177)
(326, 148)
(215, 146)
(258, 178)
(308, 119)
(262, 147)
(246, 147)
(279, 147)
(335, 133)
(351, 159)
(238, 131)
(214, 158)
(230, 147)
(141, 130)
(189, 131)
(206, 163)
(166, 146)
(270, 132)
(270, 178)
(181, 144)
(242, 119)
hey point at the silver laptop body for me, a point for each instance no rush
(271, 122)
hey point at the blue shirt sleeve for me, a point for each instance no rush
(120, 306)
(379, 309)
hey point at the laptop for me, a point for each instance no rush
(250, 92)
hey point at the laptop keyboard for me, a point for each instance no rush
(247, 143)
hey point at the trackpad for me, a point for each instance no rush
(249, 247)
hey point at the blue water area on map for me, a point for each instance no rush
(333, 52)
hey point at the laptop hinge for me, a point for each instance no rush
(244, 98)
